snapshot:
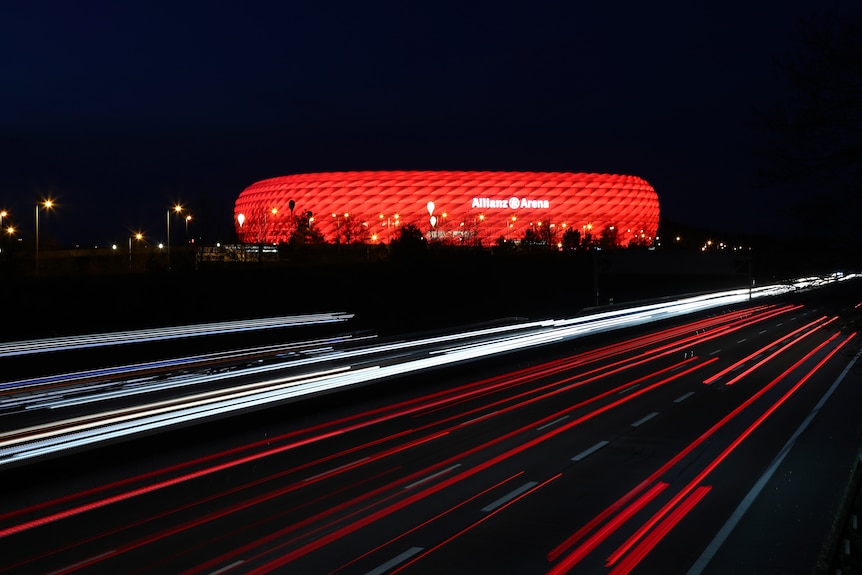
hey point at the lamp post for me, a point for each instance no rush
(138, 236)
(273, 211)
(337, 229)
(177, 209)
(3, 214)
(47, 205)
(188, 219)
(389, 225)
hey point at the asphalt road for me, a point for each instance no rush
(714, 443)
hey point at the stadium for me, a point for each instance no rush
(454, 206)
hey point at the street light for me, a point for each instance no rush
(47, 204)
(273, 211)
(177, 209)
(138, 236)
(188, 219)
(388, 225)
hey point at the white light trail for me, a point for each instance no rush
(56, 436)
(26, 347)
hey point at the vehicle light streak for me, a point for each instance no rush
(463, 354)
(432, 489)
(763, 349)
(610, 510)
(406, 408)
(518, 400)
(332, 535)
(532, 489)
(599, 536)
(639, 534)
(26, 347)
(36, 442)
(164, 365)
(420, 525)
(662, 529)
(465, 473)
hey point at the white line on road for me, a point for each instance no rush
(590, 451)
(480, 418)
(714, 352)
(92, 559)
(227, 568)
(395, 561)
(549, 424)
(628, 389)
(509, 496)
(683, 397)
(763, 331)
(742, 340)
(335, 469)
(432, 476)
(644, 419)
(731, 523)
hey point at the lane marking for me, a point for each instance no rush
(432, 476)
(336, 469)
(762, 332)
(628, 389)
(227, 567)
(556, 421)
(381, 569)
(714, 352)
(509, 496)
(683, 397)
(590, 451)
(644, 419)
(722, 535)
(84, 562)
(480, 418)
(742, 340)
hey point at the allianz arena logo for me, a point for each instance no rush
(512, 203)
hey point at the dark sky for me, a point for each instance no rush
(120, 109)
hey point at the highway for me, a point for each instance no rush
(640, 440)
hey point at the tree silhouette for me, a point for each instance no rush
(410, 245)
(571, 239)
(609, 238)
(305, 231)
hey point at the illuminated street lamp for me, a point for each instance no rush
(177, 209)
(47, 204)
(188, 219)
(138, 236)
(273, 211)
(3, 214)
(388, 226)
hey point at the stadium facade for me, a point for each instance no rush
(458, 206)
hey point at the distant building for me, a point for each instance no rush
(347, 207)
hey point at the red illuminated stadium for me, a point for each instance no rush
(370, 206)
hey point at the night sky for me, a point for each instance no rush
(118, 110)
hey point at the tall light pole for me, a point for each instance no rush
(177, 209)
(3, 214)
(138, 236)
(273, 211)
(47, 205)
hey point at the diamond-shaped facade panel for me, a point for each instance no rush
(370, 206)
